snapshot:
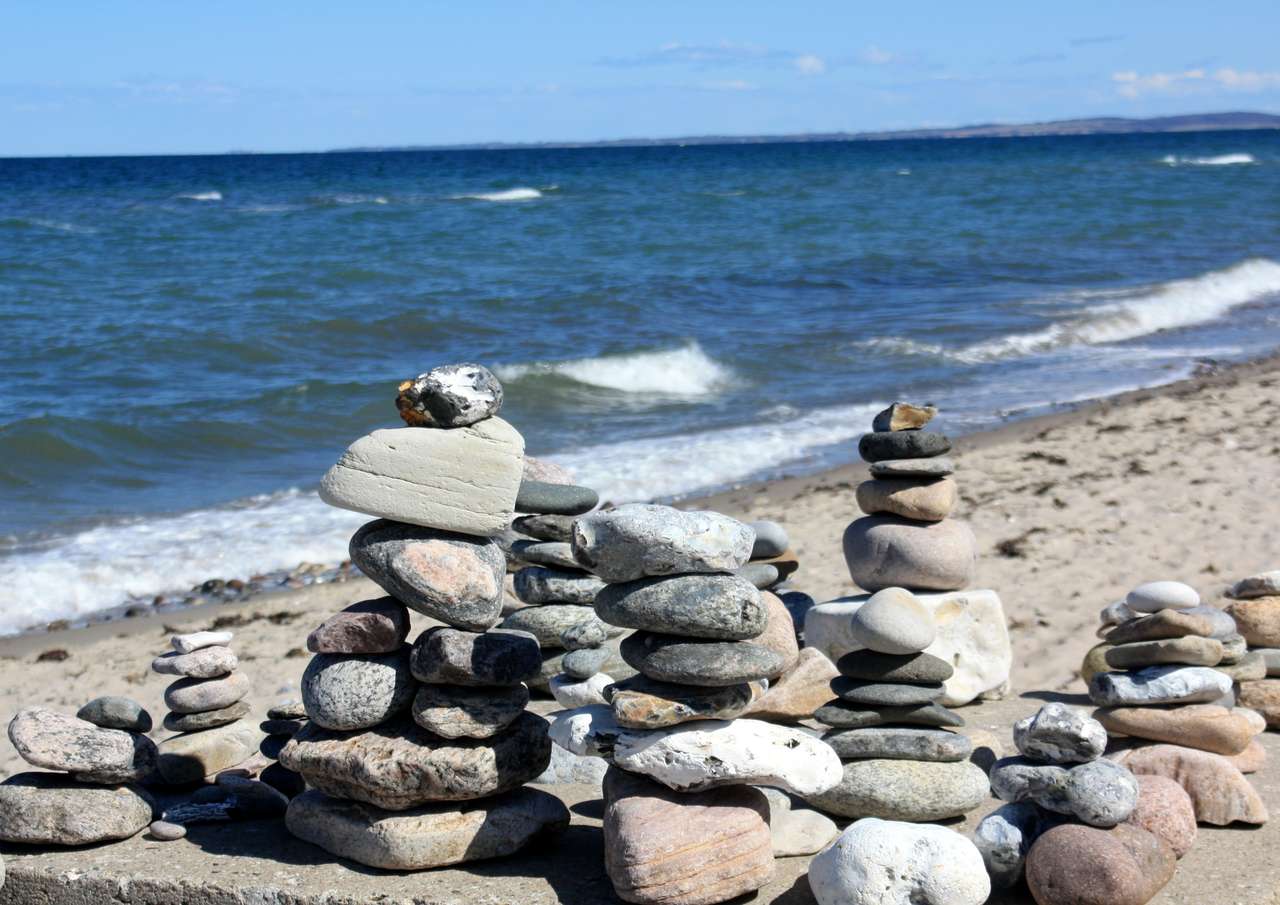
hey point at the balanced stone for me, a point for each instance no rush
(356, 691)
(884, 551)
(884, 694)
(186, 643)
(903, 416)
(779, 634)
(1224, 626)
(291, 709)
(570, 692)
(1234, 649)
(1159, 625)
(586, 662)
(399, 765)
(538, 584)
(116, 712)
(919, 668)
(205, 663)
(199, 695)
(1188, 651)
(851, 716)
(454, 657)
(449, 396)
(1159, 685)
(590, 632)
(1258, 620)
(448, 576)
(880, 445)
(771, 540)
(920, 500)
(892, 621)
(459, 711)
(208, 719)
(721, 607)
(1060, 734)
(368, 627)
(1165, 810)
(543, 498)
(904, 790)
(642, 703)
(761, 575)
(56, 741)
(432, 835)
(194, 755)
(1264, 584)
(546, 527)
(1219, 791)
(1160, 595)
(936, 467)
(899, 743)
(556, 554)
(547, 623)
(638, 540)
(1083, 865)
(1204, 726)
(668, 658)
(1099, 793)
(462, 480)
(52, 809)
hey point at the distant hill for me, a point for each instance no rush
(1101, 125)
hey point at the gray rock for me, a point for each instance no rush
(918, 668)
(1224, 626)
(428, 836)
(884, 551)
(547, 622)
(55, 741)
(841, 715)
(1271, 657)
(454, 395)
(193, 641)
(199, 695)
(936, 467)
(556, 554)
(893, 621)
(291, 709)
(589, 633)
(546, 527)
(884, 694)
(796, 830)
(899, 743)
(1100, 793)
(116, 712)
(720, 607)
(52, 809)
(356, 691)
(761, 575)
(1249, 668)
(166, 831)
(771, 540)
(538, 584)
(1005, 836)
(641, 703)
(1154, 596)
(1187, 651)
(368, 627)
(878, 446)
(542, 498)
(1159, 685)
(1264, 584)
(194, 755)
(205, 663)
(585, 663)
(904, 790)
(454, 657)
(1060, 734)
(400, 765)
(1234, 647)
(572, 769)
(698, 662)
(639, 540)
(451, 577)
(209, 719)
(460, 711)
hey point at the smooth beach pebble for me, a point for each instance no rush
(842, 715)
(721, 607)
(539, 584)
(1160, 625)
(771, 540)
(1099, 793)
(1188, 651)
(199, 695)
(454, 657)
(165, 831)
(894, 622)
(796, 830)
(899, 743)
(547, 622)
(459, 711)
(453, 395)
(356, 691)
(56, 741)
(556, 554)
(884, 551)
(689, 661)
(1006, 835)
(905, 790)
(909, 668)
(368, 627)
(642, 703)
(115, 712)
(206, 719)
(637, 540)
(1219, 792)
(1159, 685)
(204, 663)
(1204, 726)
(542, 498)
(885, 694)
(799, 691)
(880, 445)
(1084, 865)
(1159, 595)
(926, 501)
(936, 467)
(1165, 810)
(571, 692)
(54, 809)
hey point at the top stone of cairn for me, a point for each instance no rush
(903, 416)
(450, 396)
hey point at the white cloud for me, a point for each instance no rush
(1132, 84)
(809, 64)
(877, 56)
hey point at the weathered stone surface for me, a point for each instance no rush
(1099, 793)
(53, 809)
(884, 694)
(586, 662)
(919, 500)
(546, 527)
(193, 641)
(195, 722)
(771, 539)
(643, 703)
(853, 716)
(460, 711)
(1160, 595)
(904, 790)
(1188, 651)
(1006, 835)
(1060, 734)
(356, 691)
(368, 627)
(400, 765)
(796, 830)
(884, 551)
(720, 607)
(1208, 727)
(591, 632)
(539, 584)
(1258, 619)
(427, 836)
(1234, 649)
(899, 743)
(1263, 696)
(548, 498)
(878, 862)
(668, 848)
(587, 731)
(454, 657)
(56, 741)
(1252, 759)
(116, 712)
(892, 621)
(453, 395)
(548, 622)
(194, 755)
(555, 554)
(935, 467)
(711, 753)
(1264, 584)
(1161, 624)
(638, 540)
(919, 668)
(1164, 809)
(1159, 685)
(880, 445)
(1083, 865)
(903, 416)
(199, 695)
(570, 692)
(667, 658)
(462, 480)
(204, 663)
(799, 692)
(1219, 792)
(448, 576)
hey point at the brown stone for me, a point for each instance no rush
(1219, 792)
(1249, 668)
(903, 416)
(924, 501)
(779, 634)
(799, 692)
(1209, 727)
(368, 627)
(1073, 864)
(678, 848)
(1095, 661)
(1161, 624)
(1258, 620)
(643, 703)
(1262, 695)
(1252, 759)
(1188, 651)
(1164, 809)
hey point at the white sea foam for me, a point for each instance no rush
(61, 226)
(1219, 160)
(683, 371)
(348, 198)
(203, 196)
(522, 193)
(1110, 316)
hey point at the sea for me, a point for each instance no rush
(187, 343)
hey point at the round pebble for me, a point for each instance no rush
(166, 831)
(1162, 595)
(893, 621)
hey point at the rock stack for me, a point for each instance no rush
(683, 823)
(417, 758)
(1256, 610)
(901, 761)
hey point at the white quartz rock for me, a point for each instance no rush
(1162, 595)
(1159, 685)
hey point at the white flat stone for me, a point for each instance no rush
(192, 641)
(1159, 685)
(570, 692)
(587, 731)
(1162, 595)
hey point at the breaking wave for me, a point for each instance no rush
(683, 371)
(1219, 160)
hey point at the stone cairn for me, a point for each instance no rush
(417, 757)
(1256, 610)
(683, 821)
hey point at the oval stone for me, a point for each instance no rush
(199, 695)
(642, 703)
(880, 445)
(1208, 727)
(1072, 864)
(205, 663)
(1165, 810)
(546, 498)
(899, 743)
(892, 621)
(885, 694)
(548, 622)
(1188, 651)
(459, 711)
(454, 657)
(639, 539)
(923, 501)
(54, 809)
(842, 715)
(368, 627)
(1159, 685)
(209, 719)
(721, 607)
(539, 584)
(1162, 595)
(884, 551)
(669, 658)
(556, 554)
(904, 790)
(919, 668)
(356, 691)
(936, 467)
(1099, 793)
(116, 712)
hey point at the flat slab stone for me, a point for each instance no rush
(899, 743)
(53, 809)
(689, 661)
(546, 498)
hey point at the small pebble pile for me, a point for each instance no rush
(416, 757)
(683, 821)
(1256, 609)
(901, 760)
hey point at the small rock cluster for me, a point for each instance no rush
(1256, 609)
(684, 822)
(416, 757)
(901, 761)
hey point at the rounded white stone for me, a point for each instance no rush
(1162, 595)
(570, 692)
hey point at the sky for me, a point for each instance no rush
(125, 77)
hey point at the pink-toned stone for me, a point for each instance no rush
(924, 501)
(1219, 792)
(368, 627)
(1258, 620)
(779, 634)
(1165, 810)
(800, 691)
(1209, 727)
(1252, 759)
(1073, 864)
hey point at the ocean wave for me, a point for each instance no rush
(1117, 314)
(354, 198)
(60, 226)
(202, 196)
(683, 371)
(522, 193)
(1219, 160)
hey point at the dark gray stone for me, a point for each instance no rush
(538, 584)
(194, 722)
(547, 622)
(116, 712)
(356, 691)
(936, 467)
(880, 445)
(556, 554)
(760, 574)
(899, 743)
(541, 498)
(841, 715)
(771, 540)
(884, 694)
(546, 527)
(454, 395)
(920, 668)
(720, 607)
(698, 662)
(1005, 836)
(454, 657)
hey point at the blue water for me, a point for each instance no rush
(186, 343)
